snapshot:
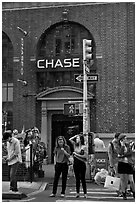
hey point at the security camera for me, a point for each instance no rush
(23, 82)
(23, 31)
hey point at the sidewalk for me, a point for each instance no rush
(28, 188)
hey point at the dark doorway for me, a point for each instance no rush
(65, 126)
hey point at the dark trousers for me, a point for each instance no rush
(80, 171)
(60, 168)
(13, 176)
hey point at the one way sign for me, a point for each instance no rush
(90, 78)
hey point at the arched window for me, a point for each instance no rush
(59, 55)
(7, 59)
(7, 81)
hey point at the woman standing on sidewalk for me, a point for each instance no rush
(80, 158)
(61, 161)
(125, 166)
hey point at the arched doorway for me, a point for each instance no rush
(53, 120)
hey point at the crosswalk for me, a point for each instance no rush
(96, 194)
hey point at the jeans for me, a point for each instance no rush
(13, 177)
(60, 168)
(80, 171)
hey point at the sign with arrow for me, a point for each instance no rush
(90, 78)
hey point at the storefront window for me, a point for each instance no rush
(58, 47)
(7, 82)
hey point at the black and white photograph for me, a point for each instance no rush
(68, 101)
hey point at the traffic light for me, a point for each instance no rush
(87, 50)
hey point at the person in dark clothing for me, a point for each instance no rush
(125, 165)
(80, 157)
(61, 160)
(113, 150)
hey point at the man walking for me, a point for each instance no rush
(99, 144)
(13, 158)
(113, 150)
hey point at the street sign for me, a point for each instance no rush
(69, 109)
(90, 78)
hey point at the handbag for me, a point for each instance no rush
(112, 183)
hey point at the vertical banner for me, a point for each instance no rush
(22, 57)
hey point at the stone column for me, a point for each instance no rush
(44, 123)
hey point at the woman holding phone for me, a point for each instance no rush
(80, 157)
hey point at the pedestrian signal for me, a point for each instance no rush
(69, 109)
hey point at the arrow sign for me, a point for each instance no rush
(79, 78)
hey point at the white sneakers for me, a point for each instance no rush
(62, 195)
(53, 195)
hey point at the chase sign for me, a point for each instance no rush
(58, 63)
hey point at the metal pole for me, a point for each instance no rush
(85, 107)
(85, 103)
(31, 166)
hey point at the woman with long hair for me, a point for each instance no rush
(61, 161)
(125, 166)
(80, 157)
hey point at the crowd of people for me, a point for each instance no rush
(39, 153)
(121, 162)
(121, 153)
(121, 156)
(16, 148)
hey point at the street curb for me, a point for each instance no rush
(7, 195)
(20, 195)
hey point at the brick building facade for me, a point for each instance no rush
(111, 99)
